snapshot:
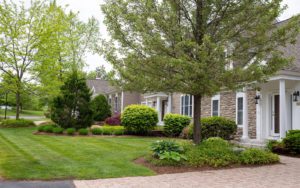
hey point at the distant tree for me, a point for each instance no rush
(101, 108)
(195, 47)
(72, 107)
(99, 73)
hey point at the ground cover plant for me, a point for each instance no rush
(213, 152)
(289, 145)
(25, 156)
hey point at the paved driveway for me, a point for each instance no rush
(285, 175)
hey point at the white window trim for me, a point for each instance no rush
(116, 105)
(216, 97)
(239, 95)
(192, 113)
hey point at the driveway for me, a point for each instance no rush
(286, 174)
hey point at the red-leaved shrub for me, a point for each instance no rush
(114, 120)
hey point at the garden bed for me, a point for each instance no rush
(181, 169)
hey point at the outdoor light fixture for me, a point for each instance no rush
(296, 94)
(257, 97)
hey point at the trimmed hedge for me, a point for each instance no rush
(96, 131)
(71, 131)
(139, 119)
(12, 123)
(174, 124)
(83, 131)
(213, 127)
(58, 130)
(292, 141)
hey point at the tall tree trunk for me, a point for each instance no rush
(5, 112)
(197, 116)
(18, 102)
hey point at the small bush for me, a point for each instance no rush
(139, 119)
(214, 152)
(41, 128)
(254, 156)
(213, 127)
(71, 131)
(174, 124)
(12, 123)
(58, 130)
(106, 130)
(292, 141)
(83, 131)
(48, 128)
(119, 132)
(168, 151)
(101, 108)
(96, 131)
(114, 120)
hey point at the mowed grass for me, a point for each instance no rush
(24, 156)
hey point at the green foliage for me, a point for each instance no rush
(107, 130)
(83, 131)
(213, 127)
(254, 156)
(178, 46)
(48, 128)
(96, 131)
(139, 119)
(292, 141)
(58, 130)
(101, 108)
(10, 123)
(211, 152)
(174, 124)
(70, 131)
(168, 151)
(72, 107)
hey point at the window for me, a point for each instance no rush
(116, 103)
(187, 105)
(239, 110)
(215, 106)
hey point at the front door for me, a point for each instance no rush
(276, 115)
(164, 109)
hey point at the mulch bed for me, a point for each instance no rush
(180, 169)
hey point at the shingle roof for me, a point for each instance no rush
(101, 86)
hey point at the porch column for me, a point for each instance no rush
(158, 108)
(245, 116)
(283, 110)
(258, 118)
(170, 103)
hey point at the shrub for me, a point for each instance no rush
(41, 128)
(70, 131)
(114, 120)
(214, 152)
(72, 108)
(213, 127)
(58, 130)
(12, 123)
(118, 132)
(107, 130)
(83, 131)
(167, 150)
(257, 156)
(101, 108)
(139, 119)
(174, 124)
(96, 131)
(292, 141)
(48, 128)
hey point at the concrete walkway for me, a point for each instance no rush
(286, 175)
(37, 184)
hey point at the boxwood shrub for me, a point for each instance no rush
(83, 131)
(96, 131)
(71, 131)
(254, 156)
(12, 123)
(58, 130)
(292, 141)
(174, 124)
(213, 127)
(139, 119)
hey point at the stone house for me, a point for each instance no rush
(260, 115)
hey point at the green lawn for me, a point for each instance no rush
(23, 113)
(27, 156)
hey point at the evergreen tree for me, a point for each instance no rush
(101, 108)
(72, 107)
